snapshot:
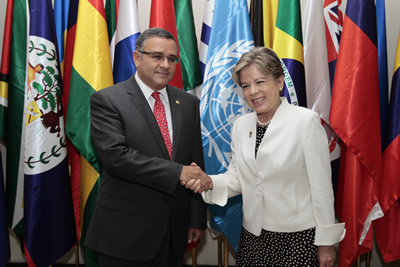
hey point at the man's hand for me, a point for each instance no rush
(326, 256)
(194, 235)
(191, 172)
(199, 182)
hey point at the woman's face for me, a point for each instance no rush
(261, 91)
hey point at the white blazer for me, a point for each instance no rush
(288, 187)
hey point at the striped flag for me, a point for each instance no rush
(4, 68)
(356, 86)
(204, 40)
(91, 71)
(49, 230)
(4, 73)
(316, 59)
(111, 11)
(222, 102)
(333, 17)
(127, 33)
(205, 34)
(288, 45)
(256, 21)
(387, 228)
(162, 15)
(317, 72)
(68, 40)
(270, 12)
(188, 52)
(15, 114)
(61, 8)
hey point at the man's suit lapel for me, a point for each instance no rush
(176, 117)
(138, 99)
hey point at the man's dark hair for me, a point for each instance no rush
(152, 32)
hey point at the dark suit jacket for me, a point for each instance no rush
(140, 197)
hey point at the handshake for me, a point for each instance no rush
(193, 177)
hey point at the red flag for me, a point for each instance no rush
(355, 118)
(387, 229)
(162, 15)
(5, 67)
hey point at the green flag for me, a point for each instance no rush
(191, 73)
(15, 118)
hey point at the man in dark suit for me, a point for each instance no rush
(143, 215)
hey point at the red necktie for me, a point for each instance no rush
(159, 113)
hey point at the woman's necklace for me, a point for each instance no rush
(263, 124)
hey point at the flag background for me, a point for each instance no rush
(208, 252)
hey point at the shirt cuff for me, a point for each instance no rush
(329, 235)
(219, 194)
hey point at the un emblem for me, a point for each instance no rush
(221, 103)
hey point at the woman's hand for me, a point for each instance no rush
(326, 256)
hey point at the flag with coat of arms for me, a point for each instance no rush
(49, 229)
(38, 188)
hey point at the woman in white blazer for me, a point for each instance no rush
(280, 164)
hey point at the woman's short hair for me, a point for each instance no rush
(266, 60)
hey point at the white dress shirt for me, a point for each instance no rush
(147, 91)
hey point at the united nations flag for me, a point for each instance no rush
(222, 101)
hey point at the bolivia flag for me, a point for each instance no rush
(91, 71)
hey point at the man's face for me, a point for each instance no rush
(152, 64)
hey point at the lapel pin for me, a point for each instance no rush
(177, 102)
(250, 134)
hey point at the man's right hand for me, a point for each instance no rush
(190, 172)
(194, 178)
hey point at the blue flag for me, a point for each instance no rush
(222, 102)
(386, 228)
(49, 226)
(4, 238)
(61, 8)
(382, 65)
(127, 32)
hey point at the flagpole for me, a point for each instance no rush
(226, 249)
(368, 263)
(220, 250)
(77, 255)
(194, 257)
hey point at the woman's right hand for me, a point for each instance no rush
(326, 256)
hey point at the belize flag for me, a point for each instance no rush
(222, 102)
(49, 227)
